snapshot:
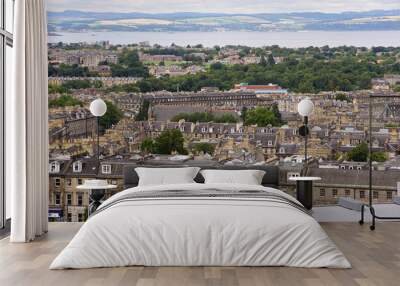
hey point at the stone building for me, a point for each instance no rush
(353, 183)
(66, 202)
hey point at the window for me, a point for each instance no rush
(322, 193)
(375, 195)
(69, 199)
(69, 217)
(113, 182)
(57, 198)
(80, 199)
(69, 182)
(54, 167)
(334, 193)
(57, 182)
(106, 169)
(347, 193)
(389, 195)
(80, 217)
(79, 181)
(77, 167)
(6, 44)
(362, 194)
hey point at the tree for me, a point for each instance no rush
(77, 84)
(112, 116)
(262, 117)
(263, 61)
(359, 153)
(270, 60)
(143, 111)
(65, 100)
(129, 64)
(243, 113)
(147, 145)
(54, 88)
(225, 118)
(170, 141)
(379, 156)
(342, 97)
(275, 110)
(216, 66)
(204, 147)
(68, 70)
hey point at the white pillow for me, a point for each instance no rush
(247, 177)
(166, 176)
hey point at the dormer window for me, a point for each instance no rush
(54, 167)
(106, 169)
(343, 167)
(351, 168)
(77, 167)
(269, 143)
(232, 130)
(358, 167)
(182, 129)
(294, 132)
(282, 150)
(203, 129)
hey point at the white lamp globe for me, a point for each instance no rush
(305, 107)
(98, 107)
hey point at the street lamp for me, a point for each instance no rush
(305, 109)
(98, 108)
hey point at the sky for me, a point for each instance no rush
(222, 6)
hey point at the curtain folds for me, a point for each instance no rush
(26, 124)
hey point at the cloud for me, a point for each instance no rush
(225, 6)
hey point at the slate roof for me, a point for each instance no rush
(386, 179)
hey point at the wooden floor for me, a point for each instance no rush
(375, 257)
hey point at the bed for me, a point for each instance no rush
(195, 224)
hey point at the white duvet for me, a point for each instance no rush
(202, 232)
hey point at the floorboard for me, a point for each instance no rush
(375, 257)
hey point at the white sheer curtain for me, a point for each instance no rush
(26, 124)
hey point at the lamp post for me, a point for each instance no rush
(98, 108)
(305, 109)
(96, 187)
(304, 184)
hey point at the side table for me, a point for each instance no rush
(304, 190)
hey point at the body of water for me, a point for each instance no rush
(254, 39)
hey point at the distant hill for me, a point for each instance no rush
(78, 21)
